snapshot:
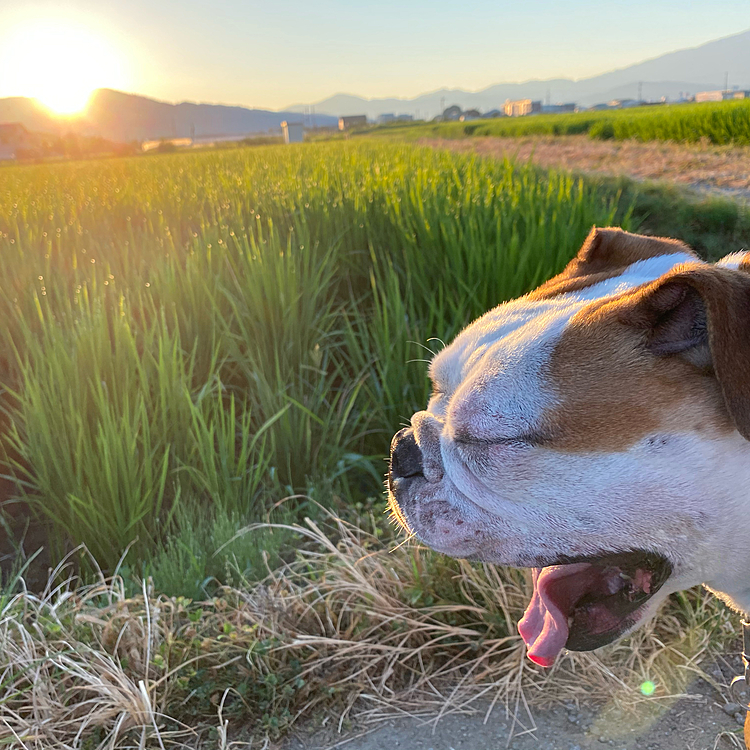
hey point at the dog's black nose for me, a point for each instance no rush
(406, 457)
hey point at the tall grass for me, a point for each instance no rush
(716, 122)
(218, 330)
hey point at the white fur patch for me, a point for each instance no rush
(734, 260)
(507, 348)
(634, 275)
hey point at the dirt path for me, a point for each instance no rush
(699, 721)
(720, 170)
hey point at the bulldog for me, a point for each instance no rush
(597, 431)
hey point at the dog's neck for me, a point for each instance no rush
(729, 573)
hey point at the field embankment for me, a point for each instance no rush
(720, 171)
(192, 343)
(719, 123)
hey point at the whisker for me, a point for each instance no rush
(418, 343)
(409, 537)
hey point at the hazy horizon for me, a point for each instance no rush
(294, 53)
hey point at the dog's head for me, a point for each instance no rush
(597, 431)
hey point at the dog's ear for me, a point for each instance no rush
(606, 253)
(612, 249)
(700, 312)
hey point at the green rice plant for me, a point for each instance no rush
(87, 433)
(281, 344)
(228, 459)
(204, 550)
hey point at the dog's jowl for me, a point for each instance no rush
(596, 430)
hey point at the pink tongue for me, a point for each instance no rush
(544, 625)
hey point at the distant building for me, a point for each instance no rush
(552, 109)
(13, 138)
(522, 107)
(470, 114)
(352, 121)
(624, 103)
(167, 144)
(293, 132)
(719, 96)
(452, 113)
(405, 118)
(386, 118)
(709, 96)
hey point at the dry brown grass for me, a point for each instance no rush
(721, 170)
(350, 627)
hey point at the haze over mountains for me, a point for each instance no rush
(689, 70)
(127, 117)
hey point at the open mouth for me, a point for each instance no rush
(589, 602)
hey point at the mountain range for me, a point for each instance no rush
(123, 117)
(671, 75)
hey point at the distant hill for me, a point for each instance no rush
(689, 70)
(127, 117)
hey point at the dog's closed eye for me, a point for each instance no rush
(465, 437)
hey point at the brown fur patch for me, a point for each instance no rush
(613, 393)
(606, 253)
(567, 284)
(725, 294)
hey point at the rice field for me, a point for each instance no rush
(210, 333)
(719, 123)
(203, 359)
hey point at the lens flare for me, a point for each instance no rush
(648, 688)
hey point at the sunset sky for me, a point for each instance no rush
(273, 54)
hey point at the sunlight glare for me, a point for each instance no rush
(59, 63)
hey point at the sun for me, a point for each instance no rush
(59, 63)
